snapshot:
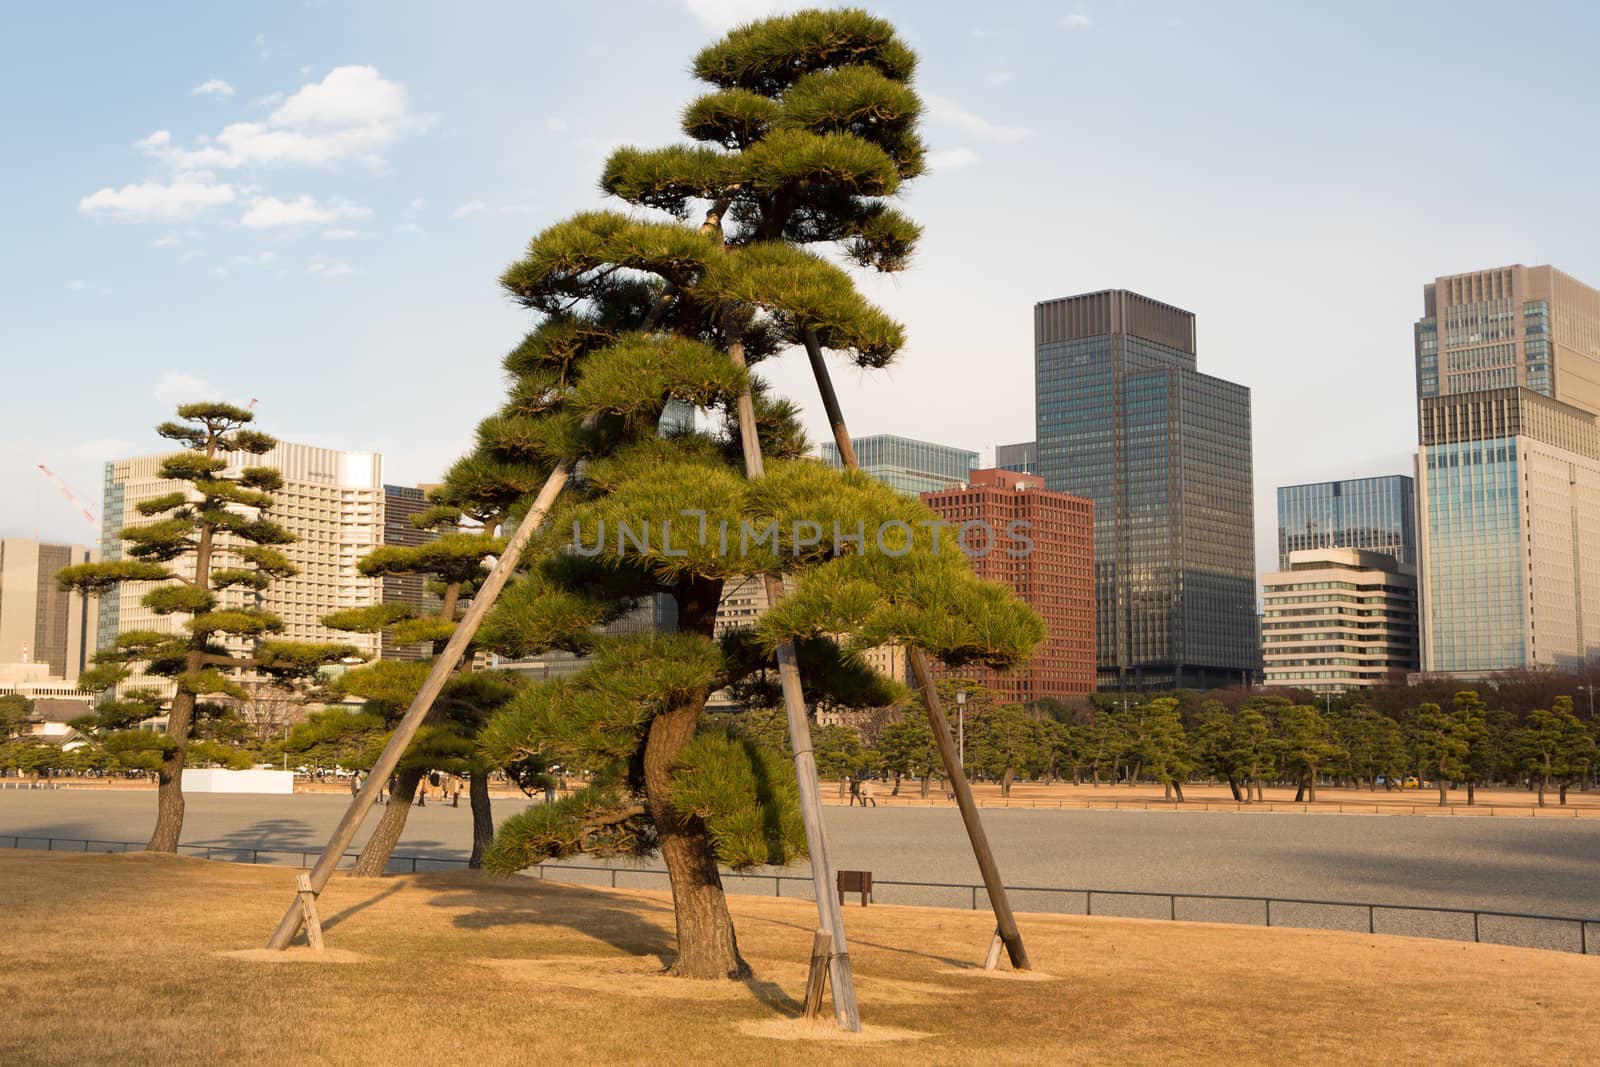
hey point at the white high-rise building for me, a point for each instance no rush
(333, 503)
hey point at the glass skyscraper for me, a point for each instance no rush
(1126, 419)
(1508, 472)
(1376, 514)
(911, 466)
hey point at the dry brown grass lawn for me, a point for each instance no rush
(138, 959)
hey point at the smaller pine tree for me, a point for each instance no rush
(207, 549)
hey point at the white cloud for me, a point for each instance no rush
(1076, 19)
(341, 234)
(152, 200)
(942, 109)
(471, 207)
(331, 270)
(262, 260)
(352, 114)
(1000, 77)
(165, 242)
(268, 211)
(555, 125)
(270, 100)
(725, 14)
(408, 227)
(951, 159)
(191, 255)
(176, 388)
(214, 87)
(77, 284)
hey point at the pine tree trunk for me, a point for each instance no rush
(1311, 787)
(169, 789)
(707, 947)
(925, 786)
(1471, 798)
(1005, 781)
(1444, 790)
(1300, 793)
(374, 858)
(1543, 781)
(1233, 785)
(1177, 787)
(1563, 793)
(482, 817)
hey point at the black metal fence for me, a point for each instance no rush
(1554, 932)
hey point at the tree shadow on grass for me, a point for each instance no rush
(586, 911)
(362, 905)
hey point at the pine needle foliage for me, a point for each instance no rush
(809, 132)
(205, 554)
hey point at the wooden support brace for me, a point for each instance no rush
(996, 943)
(817, 979)
(308, 911)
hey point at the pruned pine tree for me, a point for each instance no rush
(207, 554)
(467, 511)
(810, 125)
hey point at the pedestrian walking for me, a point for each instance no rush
(855, 792)
(869, 793)
(355, 783)
(844, 786)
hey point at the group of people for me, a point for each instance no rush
(442, 786)
(860, 789)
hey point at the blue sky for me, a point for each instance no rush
(308, 204)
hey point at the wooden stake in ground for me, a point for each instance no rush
(443, 668)
(1006, 923)
(308, 912)
(830, 917)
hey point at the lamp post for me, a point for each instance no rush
(961, 728)
(1590, 690)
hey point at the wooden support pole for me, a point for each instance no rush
(422, 703)
(992, 960)
(308, 912)
(998, 899)
(830, 917)
(817, 978)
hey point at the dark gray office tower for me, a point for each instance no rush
(1020, 458)
(400, 503)
(1125, 419)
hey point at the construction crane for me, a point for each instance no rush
(83, 509)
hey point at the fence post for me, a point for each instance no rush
(1474, 927)
(255, 856)
(1088, 902)
(1371, 924)
(1269, 910)
(1172, 901)
(613, 878)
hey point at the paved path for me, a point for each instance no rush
(1540, 866)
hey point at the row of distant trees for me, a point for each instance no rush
(1246, 743)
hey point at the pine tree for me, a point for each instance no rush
(908, 749)
(211, 547)
(1163, 746)
(810, 126)
(1441, 747)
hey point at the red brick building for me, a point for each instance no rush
(996, 516)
